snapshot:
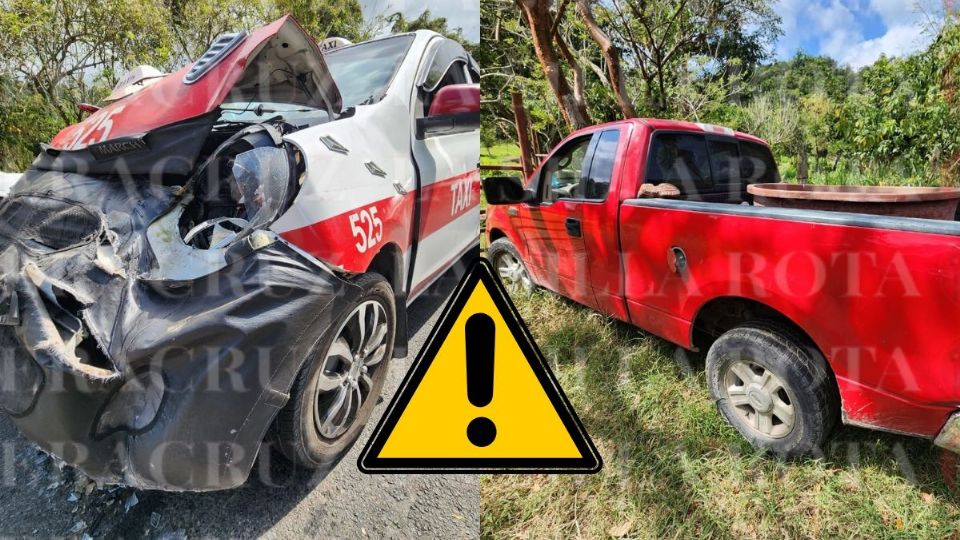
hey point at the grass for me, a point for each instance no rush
(673, 468)
(503, 153)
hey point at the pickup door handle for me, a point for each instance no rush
(573, 227)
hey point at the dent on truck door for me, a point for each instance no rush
(450, 179)
(553, 229)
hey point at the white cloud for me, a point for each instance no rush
(464, 14)
(895, 11)
(899, 40)
(836, 28)
(790, 12)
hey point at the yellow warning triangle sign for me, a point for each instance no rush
(480, 398)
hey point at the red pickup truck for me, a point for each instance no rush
(806, 316)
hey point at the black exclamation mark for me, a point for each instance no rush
(480, 333)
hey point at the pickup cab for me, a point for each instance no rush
(807, 317)
(226, 253)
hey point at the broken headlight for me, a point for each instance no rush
(260, 183)
(134, 406)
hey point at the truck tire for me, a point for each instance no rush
(337, 389)
(508, 264)
(774, 388)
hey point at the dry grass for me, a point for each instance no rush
(675, 469)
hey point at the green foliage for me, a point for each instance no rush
(893, 122)
(803, 75)
(509, 65)
(325, 18)
(55, 54)
(424, 21)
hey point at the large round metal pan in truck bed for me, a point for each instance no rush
(918, 202)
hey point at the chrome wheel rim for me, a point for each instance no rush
(512, 272)
(345, 381)
(760, 399)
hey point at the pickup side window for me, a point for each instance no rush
(756, 164)
(709, 168)
(597, 183)
(560, 177)
(680, 159)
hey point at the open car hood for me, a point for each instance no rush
(257, 67)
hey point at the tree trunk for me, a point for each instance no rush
(662, 86)
(537, 15)
(523, 135)
(579, 94)
(612, 56)
(802, 166)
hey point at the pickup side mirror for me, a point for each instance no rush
(506, 190)
(454, 109)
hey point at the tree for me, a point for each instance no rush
(62, 49)
(662, 35)
(326, 18)
(542, 25)
(195, 24)
(611, 55)
(425, 21)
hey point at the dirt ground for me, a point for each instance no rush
(38, 499)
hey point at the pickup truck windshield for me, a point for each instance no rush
(364, 71)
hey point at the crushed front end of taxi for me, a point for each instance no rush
(151, 323)
(139, 358)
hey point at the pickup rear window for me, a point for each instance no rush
(709, 168)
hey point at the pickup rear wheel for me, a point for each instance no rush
(338, 387)
(508, 264)
(773, 387)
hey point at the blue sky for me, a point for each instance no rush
(459, 13)
(855, 32)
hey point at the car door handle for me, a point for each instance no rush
(513, 212)
(573, 227)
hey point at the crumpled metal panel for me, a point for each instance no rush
(227, 345)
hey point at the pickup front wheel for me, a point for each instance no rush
(506, 260)
(338, 387)
(773, 388)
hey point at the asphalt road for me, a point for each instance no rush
(36, 498)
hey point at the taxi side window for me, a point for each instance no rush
(448, 66)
